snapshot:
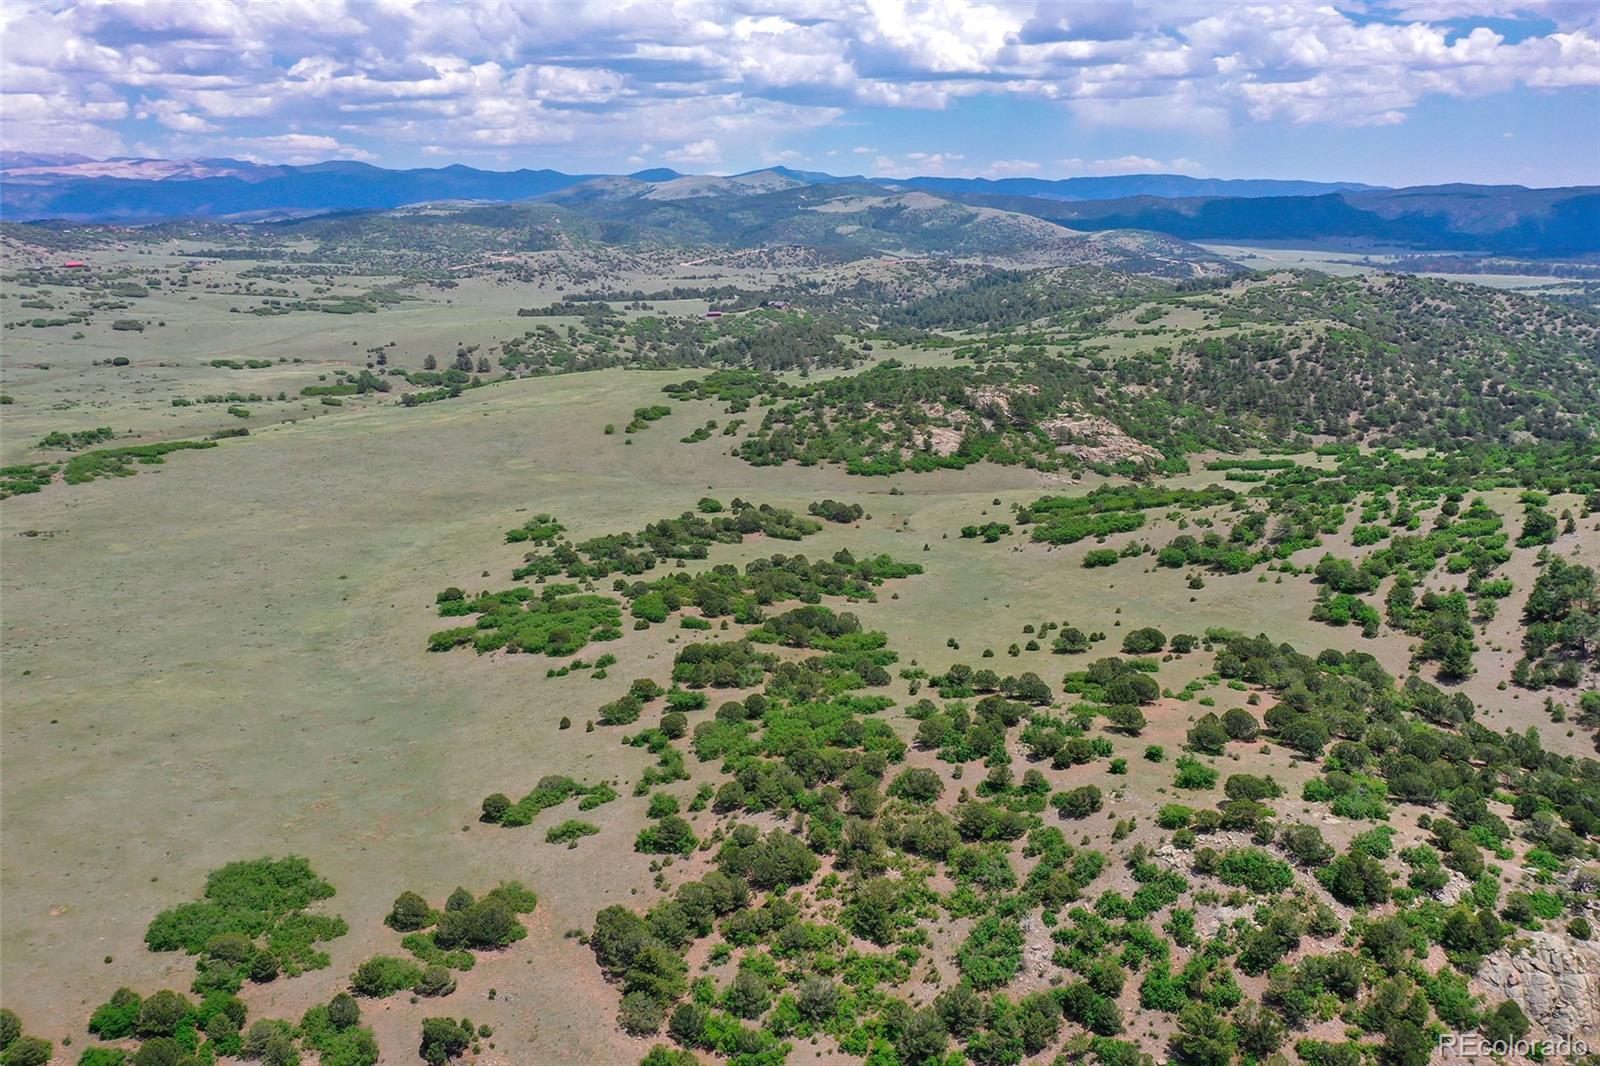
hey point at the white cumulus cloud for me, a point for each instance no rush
(709, 78)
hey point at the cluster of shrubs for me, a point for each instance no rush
(556, 621)
(1211, 733)
(724, 591)
(251, 922)
(643, 416)
(63, 440)
(834, 511)
(1558, 645)
(559, 619)
(444, 1039)
(19, 1049)
(989, 532)
(688, 536)
(552, 790)
(541, 529)
(1109, 509)
(443, 940)
(960, 734)
(121, 462)
(1115, 681)
(172, 1030)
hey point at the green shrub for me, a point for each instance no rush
(435, 981)
(27, 1051)
(1077, 803)
(1193, 774)
(991, 953)
(384, 975)
(254, 899)
(443, 1039)
(162, 1013)
(570, 832)
(410, 912)
(118, 1017)
(1254, 869)
(670, 835)
(1356, 879)
(1143, 641)
(917, 785)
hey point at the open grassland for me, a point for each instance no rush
(208, 357)
(1351, 257)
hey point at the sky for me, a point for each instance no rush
(1390, 92)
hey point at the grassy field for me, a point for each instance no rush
(1344, 258)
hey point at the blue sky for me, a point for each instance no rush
(1383, 91)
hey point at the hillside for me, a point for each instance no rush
(670, 185)
(627, 216)
(1507, 220)
(1164, 186)
(856, 220)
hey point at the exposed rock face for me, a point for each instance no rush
(1094, 439)
(942, 440)
(1554, 979)
(994, 401)
(1091, 439)
(1038, 951)
(1455, 890)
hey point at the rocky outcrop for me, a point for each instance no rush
(1455, 890)
(1094, 439)
(1554, 979)
(1038, 954)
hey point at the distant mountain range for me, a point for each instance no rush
(1125, 185)
(155, 189)
(1500, 219)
